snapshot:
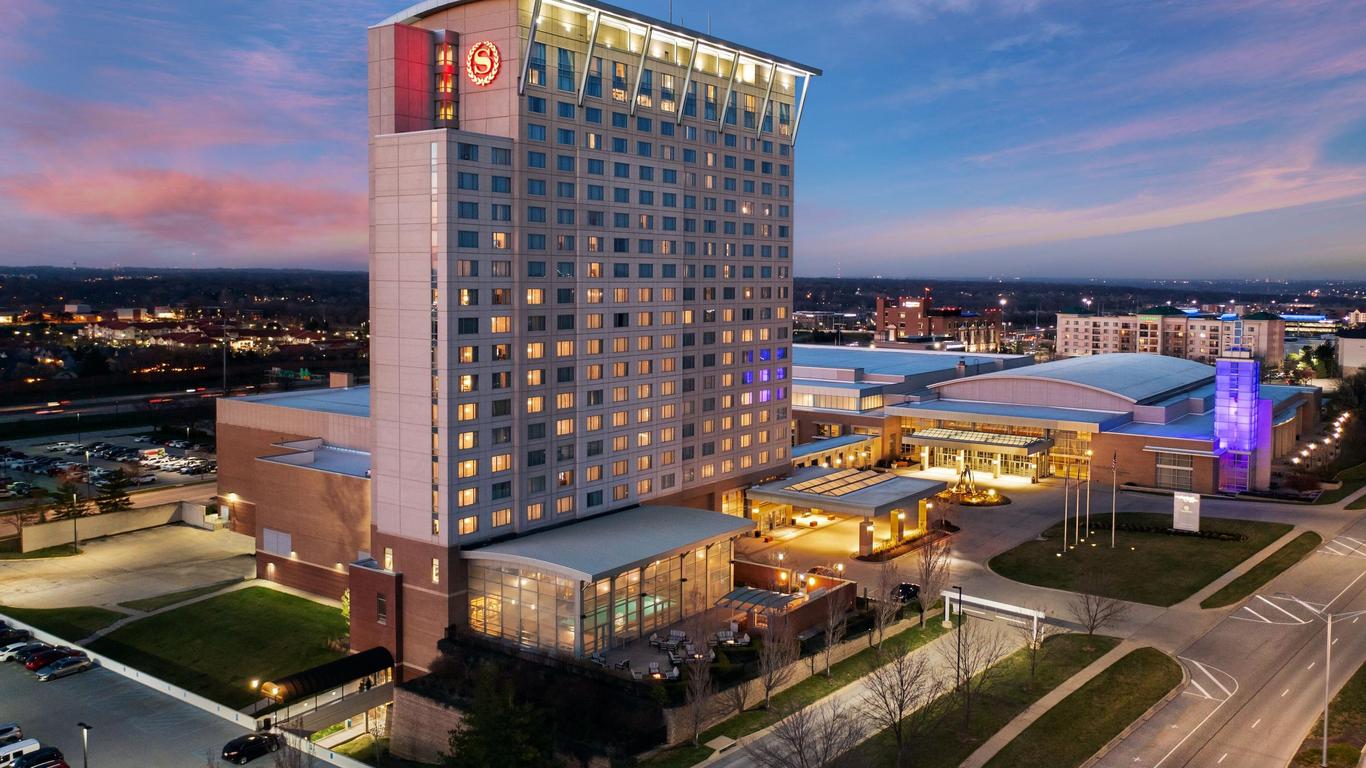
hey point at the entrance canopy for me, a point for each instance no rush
(761, 600)
(610, 544)
(959, 439)
(848, 491)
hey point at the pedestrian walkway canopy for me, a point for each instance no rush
(959, 439)
(762, 600)
(325, 677)
(847, 491)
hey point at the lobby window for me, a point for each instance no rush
(388, 558)
(468, 525)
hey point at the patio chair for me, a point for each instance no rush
(636, 676)
(654, 668)
(674, 658)
(742, 639)
(672, 674)
(599, 659)
(624, 664)
(655, 639)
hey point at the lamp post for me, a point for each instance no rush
(1065, 493)
(1088, 493)
(75, 513)
(85, 744)
(958, 633)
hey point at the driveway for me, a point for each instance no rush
(129, 567)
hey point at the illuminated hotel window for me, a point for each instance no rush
(467, 440)
(500, 462)
(535, 511)
(502, 517)
(436, 571)
(564, 505)
(468, 525)
(467, 468)
(388, 558)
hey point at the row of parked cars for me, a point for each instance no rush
(184, 465)
(47, 662)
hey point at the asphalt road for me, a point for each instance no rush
(1257, 677)
(134, 726)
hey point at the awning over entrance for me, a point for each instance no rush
(959, 439)
(848, 491)
(615, 542)
(761, 600)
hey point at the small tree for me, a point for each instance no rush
(68, 502)
(736, 697)
(885, 605)
(776, 656)
(698, 691)
(1034, 642)
(902, 698)
(835, 626)
(114, 497)
(290, 758)
(498, 732)
(346, 604)
(1095, 612)
(813, 737)
(973, 655)
(932, 566)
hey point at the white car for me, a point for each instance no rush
(7, 653)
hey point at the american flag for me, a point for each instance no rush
(1114, 460)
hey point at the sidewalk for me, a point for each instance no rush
(1193, 602)
(1015, 727)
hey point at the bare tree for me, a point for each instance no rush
(288, 757)
(973, 655)
(932, 567)
(1095, 612)
(836, 624)
(903, 698)
(698, 691)
(736, 697)
(885, 605)
(776, 656)
(813, 737)
(1034, 637)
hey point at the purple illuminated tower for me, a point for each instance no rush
(1241, 421)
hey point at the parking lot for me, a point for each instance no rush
(29, 467)
(133, 726)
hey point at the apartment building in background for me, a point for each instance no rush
(1193, 335)
(916, 318)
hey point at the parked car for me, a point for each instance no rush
(70, 665)
(146, 479)
(9, 652)
(43, 658)
(11, 635)
(10, 733)
(244, 749)
(47, 757)
(12, 752)
(32, 650)
(905, 592)
(823, 570)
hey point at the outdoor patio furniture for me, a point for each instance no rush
(654, 668)
(678, 635)
(742, 639)
(636, 675)
(624, 664)
(674, 658)
(599, 659)
(672, 674)
(655, 639)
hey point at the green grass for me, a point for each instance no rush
(217, 646)
(1153, 568)
(1083, 722)
(171, 598)
(9, 550)
(1353, 479)
(1358, 504)
(1265, 571)
(362, 748)
(70, 624)
(1348, 731)
(1013, 692)
(808, 691)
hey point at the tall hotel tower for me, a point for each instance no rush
(580, 290)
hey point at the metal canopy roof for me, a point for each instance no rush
(611, 543)
(1133, 376)
(762, 600)
(1017, 445)
(847, 491)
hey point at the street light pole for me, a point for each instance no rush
(1327, 666)
(1088, 493)
(958, 634)
(75, 513)
(1076, 509)
(1064, 510)
(1114, 495)
(85, 744)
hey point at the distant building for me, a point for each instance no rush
(1200, 336)
(1352, 350)
(917, 317)
(9, 316)
(131, 314)
(76, 309)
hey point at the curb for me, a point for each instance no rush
(1143, 718)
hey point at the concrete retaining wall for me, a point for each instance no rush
(59, 532)
(421, 727)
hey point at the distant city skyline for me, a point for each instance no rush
(947, 138)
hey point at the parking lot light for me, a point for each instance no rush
(85, 744)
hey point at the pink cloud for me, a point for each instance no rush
(199, 210)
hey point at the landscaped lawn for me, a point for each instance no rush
(1012, 693)
(171, 598)
(362, 748)
(1348, 732)
(1083, 722)
(808, 691)
(1265, 571)
(1353, 479)
(1154, 568)
(217, 646)
(70, 624)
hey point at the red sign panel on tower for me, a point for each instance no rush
(481, 63)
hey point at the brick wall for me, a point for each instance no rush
(422, 727)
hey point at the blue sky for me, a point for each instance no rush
(1216, 138)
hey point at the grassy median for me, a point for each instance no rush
(1265, 571)
(70, 624)
(1348, 731)
(1012, 693)
(1089, 717)
(1155, 568)
(217, 646)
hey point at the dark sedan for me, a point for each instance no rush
(32, 650)
(47, 757)
(905, 592)
(12, 635)
(243, 749)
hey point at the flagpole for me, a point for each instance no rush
(1076, 509)
(1088, 493)
(1065, 491)
(1114, 494)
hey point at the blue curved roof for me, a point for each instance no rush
(1136, 377)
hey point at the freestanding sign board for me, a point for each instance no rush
(1186, 511)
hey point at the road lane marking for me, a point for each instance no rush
(1203, 692)
(1344, 589)
(1212, 678)
(1297, 619)
(1258, 615)
(1198, 725)
(1311, 665)
(1221, 759)
(1259, 722)
(1283, 693)
(1335, 640)
(1358, 542)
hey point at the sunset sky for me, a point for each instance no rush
(1211, 138)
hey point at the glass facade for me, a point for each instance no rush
(533, 609)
